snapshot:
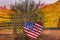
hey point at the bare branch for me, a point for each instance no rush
(32, 5)
(37, 6)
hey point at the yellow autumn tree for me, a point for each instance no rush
(51, 15)
(4, 16)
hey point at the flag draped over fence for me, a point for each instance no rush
(33, 30)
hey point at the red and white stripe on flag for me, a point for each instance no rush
(34, 34)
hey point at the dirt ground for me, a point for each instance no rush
(46, 35)
(51, 35)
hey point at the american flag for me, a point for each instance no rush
(33, 30)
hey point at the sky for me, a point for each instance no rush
(9, 2)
